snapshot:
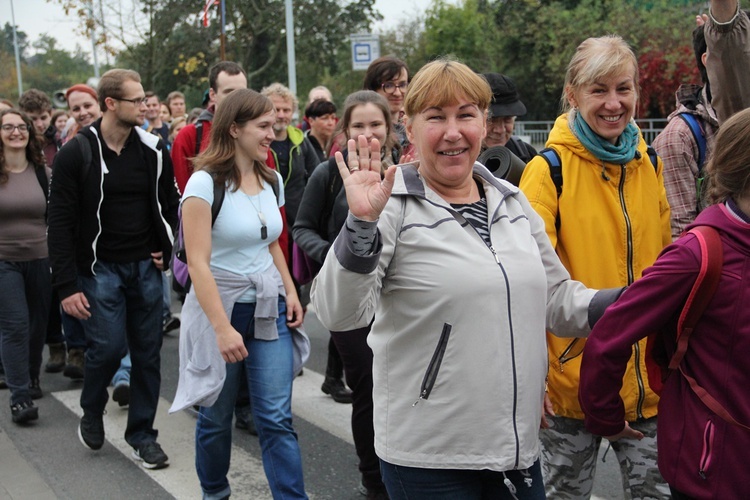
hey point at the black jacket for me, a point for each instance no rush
(75, 198)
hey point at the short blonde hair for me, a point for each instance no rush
(278, 89)
(598, 58)
(442, 82)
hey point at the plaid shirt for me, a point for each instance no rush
(679, 152)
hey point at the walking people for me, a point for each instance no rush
(110, 235)
(455, 268)
(703, 450)
(25, 289)
(242, 303)
(608, 220)
(323, 210)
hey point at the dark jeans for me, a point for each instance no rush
(25, 294)
(357, 358)
(126, 306)
(54, 324)
(75, 338)
(413, 483)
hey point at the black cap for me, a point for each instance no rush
(505, 98)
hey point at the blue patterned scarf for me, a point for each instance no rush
(619, 153)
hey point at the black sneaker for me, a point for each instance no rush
(24, 411)
(121, 394)
(91, 431)
(151, 455)
(34, 390)
(244, 421)
(173, 323)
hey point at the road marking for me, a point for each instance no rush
(177, 437)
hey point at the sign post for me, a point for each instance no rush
(365, 49)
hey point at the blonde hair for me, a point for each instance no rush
(598, 58)
(442, 82)
(277, 89)
(728, 167)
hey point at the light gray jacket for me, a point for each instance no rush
(202, 369)
(459, 334)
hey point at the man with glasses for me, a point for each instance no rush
(505, 107)
(389, 77)
(112, 209)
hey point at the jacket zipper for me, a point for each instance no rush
(631, 278)
(428, 382)
(562, 358)
(491, 218)
(708, 440)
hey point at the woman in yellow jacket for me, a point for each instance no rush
(608, 222)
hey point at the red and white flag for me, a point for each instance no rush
(204, 12)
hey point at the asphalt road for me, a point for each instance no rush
(52, 450)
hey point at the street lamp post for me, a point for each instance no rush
(15, 47)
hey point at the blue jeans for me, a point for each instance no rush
(166, 297)
(126, 302)
(75, 338)
(25, 294)
(269, 376)
(411, 483)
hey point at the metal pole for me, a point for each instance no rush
(15, 47)
(223, 52)
(93, 39)
(290, 57)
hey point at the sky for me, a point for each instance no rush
(35, 17)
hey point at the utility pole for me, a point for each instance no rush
(15, 47)
(290, 57)
(93, 39)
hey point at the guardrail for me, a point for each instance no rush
(538, 131)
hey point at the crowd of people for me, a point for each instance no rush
(487, 328)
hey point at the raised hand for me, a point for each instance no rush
(366, 193)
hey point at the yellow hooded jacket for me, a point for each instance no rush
(614, 221)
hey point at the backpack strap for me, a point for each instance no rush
(712, 260)
(41, 177)
(700, 139)
(198, 137)
(651, 152)
(555, 167)
(552, 158)
(85, 148)
(219, 192)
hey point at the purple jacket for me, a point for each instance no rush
(700, 454)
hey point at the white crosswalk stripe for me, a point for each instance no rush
(177, 431)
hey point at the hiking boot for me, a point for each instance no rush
(35, 392)
(151, 455)
(24, 411)
(172, 323)
(338, 391)
(91, 431)
(56, 361)
(121, 394)
(76, 363)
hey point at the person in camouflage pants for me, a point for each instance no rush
(569, 472)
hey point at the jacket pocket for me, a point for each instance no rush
(572, 351)
(434, 367)
(707, 453)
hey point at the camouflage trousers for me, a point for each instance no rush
(569, 455)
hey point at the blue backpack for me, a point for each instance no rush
(700, 141)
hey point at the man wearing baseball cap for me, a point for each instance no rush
(505, 107)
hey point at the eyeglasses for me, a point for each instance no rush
(23, 128)
(139, 101)
(390, 87)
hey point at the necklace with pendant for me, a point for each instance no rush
(261, 217)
